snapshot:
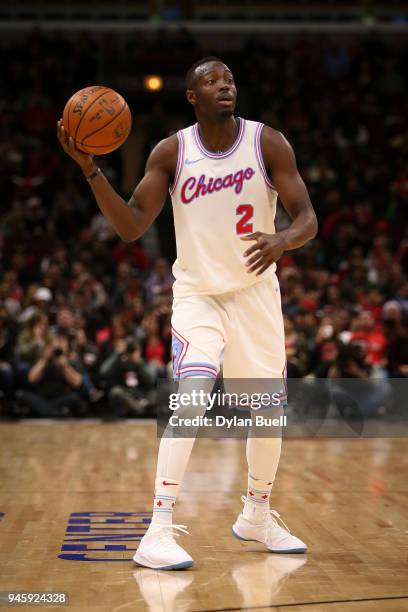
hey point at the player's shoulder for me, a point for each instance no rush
(274, 137)
(274, 143)
(167, 146)
(165, 153)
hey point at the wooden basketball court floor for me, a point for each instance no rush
(75, 499)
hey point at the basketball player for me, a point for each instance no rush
(224, 174)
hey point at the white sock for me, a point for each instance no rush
(257, 499)
(174, 454)
(263, 459)
(165, 496)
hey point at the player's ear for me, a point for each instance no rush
(191, 97)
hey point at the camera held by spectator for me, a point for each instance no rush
(54, 384)
(131, 379)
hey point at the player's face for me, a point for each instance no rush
(214, 90)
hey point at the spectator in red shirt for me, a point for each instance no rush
(373, 338)
(155, 349)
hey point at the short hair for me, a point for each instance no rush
(190, 72)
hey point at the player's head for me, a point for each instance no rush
(210, 88)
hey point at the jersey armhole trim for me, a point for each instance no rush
(258, 151)
(180, 161)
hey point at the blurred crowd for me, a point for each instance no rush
(85, 319)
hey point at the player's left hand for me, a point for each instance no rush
(267, 249)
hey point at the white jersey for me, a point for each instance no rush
(217, 199)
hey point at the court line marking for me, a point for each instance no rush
(303, 603)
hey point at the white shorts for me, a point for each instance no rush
(242, 331)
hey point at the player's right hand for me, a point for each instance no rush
(84, 160)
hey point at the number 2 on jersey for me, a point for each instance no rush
(243, 225)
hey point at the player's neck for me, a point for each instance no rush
(219, 136)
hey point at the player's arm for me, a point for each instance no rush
(130, 219)
(280, 160)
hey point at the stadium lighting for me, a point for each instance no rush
(153, 82)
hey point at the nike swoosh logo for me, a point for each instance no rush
(169, 483)
(193, 161)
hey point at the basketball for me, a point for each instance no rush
(98, 119)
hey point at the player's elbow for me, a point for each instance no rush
(128, 237)
(310, 224)
(130, 234)
(136, 230)
(314, 226)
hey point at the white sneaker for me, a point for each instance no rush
(269, 532)
(159, 550)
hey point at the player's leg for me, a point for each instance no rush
(256, 354)
(198, 341)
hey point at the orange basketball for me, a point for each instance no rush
(98, 119)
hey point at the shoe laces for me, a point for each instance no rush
(167, 532)
(272, 516)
